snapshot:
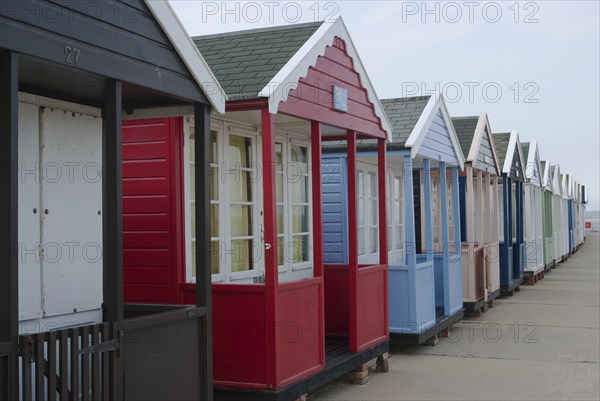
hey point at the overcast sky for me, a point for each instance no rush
(533, 66)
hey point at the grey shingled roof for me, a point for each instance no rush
(501, 143)
(245, 61)
(465, 131)
(525, 148)
(403, 114)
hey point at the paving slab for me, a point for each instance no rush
(543, 343)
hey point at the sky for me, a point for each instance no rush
(533, 66)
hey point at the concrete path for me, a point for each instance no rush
(543, 343)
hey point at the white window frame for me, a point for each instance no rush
(395, 216)
(367, 169)
(289, 270)
(224, 130)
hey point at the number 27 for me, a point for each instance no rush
(72, 55)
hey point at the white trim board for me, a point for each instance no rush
(287, 78)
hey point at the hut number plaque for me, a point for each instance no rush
(340, 98)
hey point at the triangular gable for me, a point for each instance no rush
(434, 134)
(547, 176)
(514, 161)
(289, 77)
(482, 153)
(533, 166)
(556, 180)
(191, 57)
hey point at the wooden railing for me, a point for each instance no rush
(78, 363)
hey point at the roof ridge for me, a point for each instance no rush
(258, 30)
(407, 99)
(465, 117)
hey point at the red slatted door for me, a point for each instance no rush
(153, 242)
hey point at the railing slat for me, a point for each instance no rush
(51, 365)
(26, 367)
(85, 365)
(63, 360)
(114, 368)
(74, 334)
(106, 363)
(40, 361)
(96, 365)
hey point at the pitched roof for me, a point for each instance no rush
(465, 131)
(403, 114)
(246, 61)
(525, 147)
(501, 141)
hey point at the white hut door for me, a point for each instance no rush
(30, 284)
(71, 156)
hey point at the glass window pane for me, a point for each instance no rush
(300, 248)
(397, 188)
(241, 220)
(214, 220)
(279, 187)
(214, 150)
(279, 156)
(240, 152)
(399, 239)
(361, 184)
(280, 220)
(300, 189)
(300, 159)
(240, 186)
(214, 257)
(398, 210)
(241, 254)
(192, 183)
(373, 185)
(280, 250)
(193, 217)
(361, 212)
(361, 241)
(300, 219)
(374, 213)
(214, 183)
(374, 240)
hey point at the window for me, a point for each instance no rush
(450, 198)
(294, 207)
(500, 214)
(476, 209)
(236, 252)
(395, 217)
(367, 213)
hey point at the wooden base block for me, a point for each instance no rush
(302, 398)
(491, 303)
(445, 333)
(382, 365)
(476, 313)
(360, 375)
(433, 341)
(484, 308)
(360, 382)
(517, 289)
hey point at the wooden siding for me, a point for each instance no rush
(485, 158)
(313, 97)
(116, 39)
(334, 210)
(516, 170)
(152, 207)
(437, 144)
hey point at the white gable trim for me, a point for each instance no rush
(513, 143)
(556, 184)
(483, 123)
(546, 182)
(419, 132)
(533, 159)
(287, 78)
(189, 53)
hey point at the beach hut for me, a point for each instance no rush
(534, 210)
(557, 213)
(284, 323)
(511, 205)
(548, 211)
(479, 213)
(565, 217)
(423, 164)
(64, 84)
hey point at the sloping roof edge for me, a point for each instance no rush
(513, 143)
(189, 53)
(419, 132)
(297, 66)
(482, 123)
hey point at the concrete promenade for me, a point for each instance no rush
(543, 343)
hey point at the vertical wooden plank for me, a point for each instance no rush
(96, 387)
(352, 241)
(427, 206)
(114, 365)
(317, 199)
(26, 368)
(270, 237)
(63, 363)
(445, 235)
(456, 204)
(106, 363)
(409, 215)
(85, 365)
(51, 365)
(40, 362)
(383, 234)
(112, 213)
(9, 221)
(74, 349)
